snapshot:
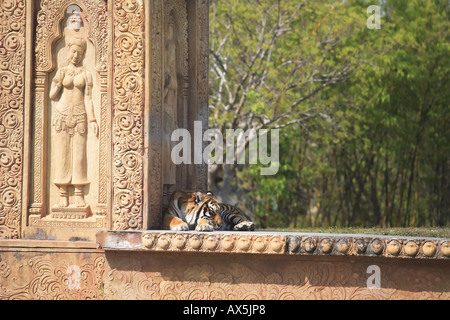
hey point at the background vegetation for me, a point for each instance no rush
(363, 113)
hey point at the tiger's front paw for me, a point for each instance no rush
(183, 226)
(204, 227)
(244, 226)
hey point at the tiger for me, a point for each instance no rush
(189, 210)
(233, 218)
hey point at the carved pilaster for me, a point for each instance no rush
(39, 151)
(128, 115)
(12, 94)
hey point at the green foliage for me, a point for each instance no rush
(364, 113)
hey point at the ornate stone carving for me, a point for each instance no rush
(255, 278)
(12, 78)
(72, 88)
(128, 115)
(49, 30)
(222, 265)
(279, 243)
(213, 243)
(46, 277)
(175, 75)
(70, 111)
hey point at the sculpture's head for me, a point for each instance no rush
(76, 48)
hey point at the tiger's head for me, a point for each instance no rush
(210, 209)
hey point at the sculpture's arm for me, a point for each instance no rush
(89, 104)
(56, 86)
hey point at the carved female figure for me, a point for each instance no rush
(170, 112)
(74, 110)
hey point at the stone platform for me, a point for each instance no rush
(164, 265)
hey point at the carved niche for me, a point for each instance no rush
(175, 90)
(179, 49)
(69, 151)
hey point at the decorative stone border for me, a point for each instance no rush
(229, 243)
(370, 245)
(284, 243)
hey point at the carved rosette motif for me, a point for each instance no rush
(12, 76)
(128, 114)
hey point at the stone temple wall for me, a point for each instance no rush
(90, 91)
(226, 265)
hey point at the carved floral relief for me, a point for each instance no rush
(51, 277)
(12, 77)
(33, 275)
(247, 279)
(128, 115)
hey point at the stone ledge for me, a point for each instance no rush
(276, 243)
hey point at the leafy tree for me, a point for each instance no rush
(269, 60)
(364, 112)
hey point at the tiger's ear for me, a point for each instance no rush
(198, 197)
(209, 193)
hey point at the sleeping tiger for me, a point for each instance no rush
(233, 218)
(192, 210)
(195, 210)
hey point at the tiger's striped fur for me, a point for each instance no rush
(192, 210)
(234, 219)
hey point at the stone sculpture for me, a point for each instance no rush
(72, 84)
